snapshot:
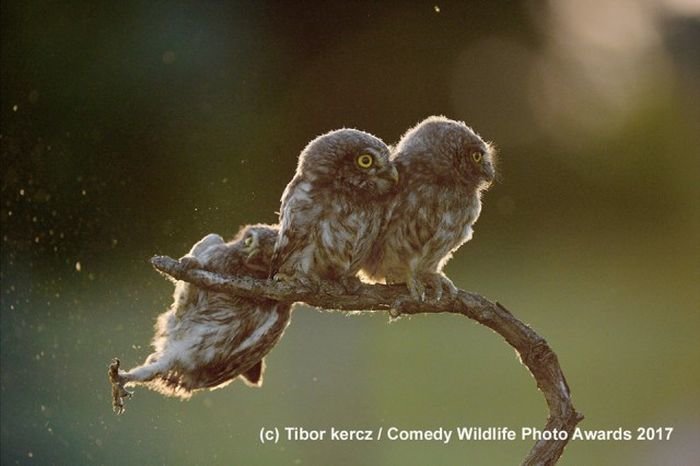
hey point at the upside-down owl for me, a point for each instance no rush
(444, 167)
(206, 338)
(334, 208)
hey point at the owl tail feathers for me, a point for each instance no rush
(184, 384)
(253, 377)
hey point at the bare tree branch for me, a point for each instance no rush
(534, 351)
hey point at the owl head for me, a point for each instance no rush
(253, 246)
(450, 150)
(348, 161)
(248, 253)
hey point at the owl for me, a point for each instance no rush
(444, 167)
(334, 208)
(206, 339)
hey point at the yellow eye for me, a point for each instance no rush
(476, 156)
(248, 241)
(365, 161)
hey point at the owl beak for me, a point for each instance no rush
(489, 171)
(394, 174)
(249, 252)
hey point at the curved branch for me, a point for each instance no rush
(534, 351)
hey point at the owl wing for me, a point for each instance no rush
(295, 220)
(440, 234)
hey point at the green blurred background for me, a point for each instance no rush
(134, 128)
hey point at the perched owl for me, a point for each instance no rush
(444, 167)
(334, 208)
(206, 339)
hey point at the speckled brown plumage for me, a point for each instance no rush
(333, 209)
(443, 167)
(207, 339)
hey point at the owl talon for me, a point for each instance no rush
(440, 283)
(416, 288)
(434, 282)
(351, 284)
(452, 290)
(435, 205)
(119, 393)
(437, 282)
(311, 284)
(283, 277)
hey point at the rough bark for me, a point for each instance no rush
(534, 351)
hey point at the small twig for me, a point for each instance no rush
(534, 351)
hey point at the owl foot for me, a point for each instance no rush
(416, 288)
(440, 283)
(351, 284)
(118, 390)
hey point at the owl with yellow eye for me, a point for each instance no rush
(334, 208)
(445, 167)
(206, 339)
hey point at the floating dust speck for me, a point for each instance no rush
(15, 108)
(78, 267)
(436, 8)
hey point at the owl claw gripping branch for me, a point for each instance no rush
(334, 208)
(353, 206)
(444, 166)
(207, 339)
